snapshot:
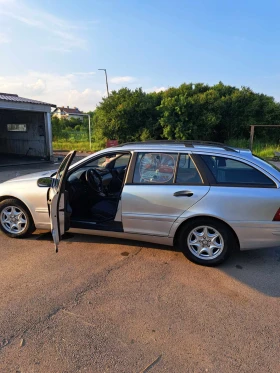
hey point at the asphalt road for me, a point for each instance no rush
(107, 305)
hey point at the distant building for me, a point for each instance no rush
(68, 113)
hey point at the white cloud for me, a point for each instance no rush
(4, 38)
(122, 79)
(84, 100)
(65, 33)
(156, 89)
(38, 87)
(61, 90)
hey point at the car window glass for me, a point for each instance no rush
(102, 162)
(63, 165)
(230, 171)
(122, 161)
(155, 168)
(187, 172)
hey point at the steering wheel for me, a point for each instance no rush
(118, 173)
(94, 180)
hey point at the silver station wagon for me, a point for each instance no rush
(207, 199)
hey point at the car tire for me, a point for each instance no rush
(15, 219)
(206, 241)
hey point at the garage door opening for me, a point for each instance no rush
(25, 131)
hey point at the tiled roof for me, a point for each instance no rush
(15, 98)
(70, 110)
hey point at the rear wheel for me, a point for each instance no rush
(15, 219)
(206, 241)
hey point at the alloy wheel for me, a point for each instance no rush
(205, 242)
(13, 219)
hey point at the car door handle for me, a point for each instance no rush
(183, 193)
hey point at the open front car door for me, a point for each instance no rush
(59, 208)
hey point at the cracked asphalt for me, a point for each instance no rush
(108, 305)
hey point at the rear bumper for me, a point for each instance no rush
(256, 234)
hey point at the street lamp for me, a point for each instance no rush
(106, 80)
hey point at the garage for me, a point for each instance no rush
(25, 130)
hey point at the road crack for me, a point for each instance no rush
(150, 366)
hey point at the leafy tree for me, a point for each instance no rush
(190, 111)
(127, 115)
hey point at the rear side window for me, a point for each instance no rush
(187, 172)
(155, 168)
(230, 171)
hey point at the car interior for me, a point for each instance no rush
(94, 189)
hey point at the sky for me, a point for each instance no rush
(51, 50)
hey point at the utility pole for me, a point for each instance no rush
(89, 129)
(89, 132)
(106, 80)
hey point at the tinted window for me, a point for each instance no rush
(187, 172)
(230, 171)
(155, 168)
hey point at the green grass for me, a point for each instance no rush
(263, 150)
(71, 145)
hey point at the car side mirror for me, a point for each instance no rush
(45, 182)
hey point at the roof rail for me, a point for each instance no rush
(186, 143)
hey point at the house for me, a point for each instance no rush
(68, 113)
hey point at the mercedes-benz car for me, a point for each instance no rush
(207, 199)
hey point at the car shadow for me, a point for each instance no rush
(258, 269)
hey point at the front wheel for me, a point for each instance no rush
(206, 242)
(15, 219)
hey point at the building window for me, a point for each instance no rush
(16, 127)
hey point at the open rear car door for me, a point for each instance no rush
(59, 208)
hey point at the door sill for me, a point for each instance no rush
(110, 226)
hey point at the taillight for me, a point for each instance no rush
(277, 216)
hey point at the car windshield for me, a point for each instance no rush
(267, 163)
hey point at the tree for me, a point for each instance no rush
(56, 127)
(191, 111)
(127, 115)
